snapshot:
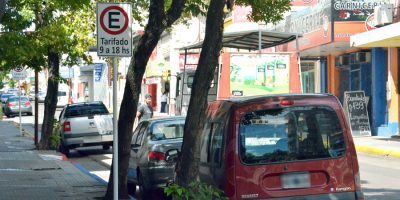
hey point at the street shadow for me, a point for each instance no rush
(157, 194)
(380, 193)
(389, 139)
(86, 151)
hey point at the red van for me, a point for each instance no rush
(284, 147)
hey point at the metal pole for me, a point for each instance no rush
(36, 106)
(259, 40)
(19, 105)
(115, 129)
(183, 82)
(298, 62)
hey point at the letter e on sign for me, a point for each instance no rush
(114, 31)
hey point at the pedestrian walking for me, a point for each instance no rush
(145, 111)
(164, 99)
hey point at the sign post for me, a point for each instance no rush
(114, 39)
(19, 74)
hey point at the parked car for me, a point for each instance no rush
(31, 95)
(5, 96)
(151, 141)
(62, 98)
(11, 106)
(281, 146)
(14, 91)
(41, 96)
(85, 124)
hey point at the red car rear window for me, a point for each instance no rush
(290, 134)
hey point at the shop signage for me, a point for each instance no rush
(357, 113)
(314, 23)
(98, 72)
(191, 61)
(354, 10)
(369, 23)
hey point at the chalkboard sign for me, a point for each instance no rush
(357, 113)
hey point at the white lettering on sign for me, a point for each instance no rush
(19, 73)
(114, 32)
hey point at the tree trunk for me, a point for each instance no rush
(187, 168)
(130, 99)
(50, 102)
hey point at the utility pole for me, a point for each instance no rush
(36, 107)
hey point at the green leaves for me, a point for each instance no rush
(195, 190)
(32, 27)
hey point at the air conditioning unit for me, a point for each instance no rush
(363, 57)
(353, 58)
(338, 61)
(383, 15)
(341, 61)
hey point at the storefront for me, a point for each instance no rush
(384, 45)
(343, 65)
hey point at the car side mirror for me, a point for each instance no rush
(172, 155)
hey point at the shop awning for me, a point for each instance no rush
(250, 39)
(387, 36)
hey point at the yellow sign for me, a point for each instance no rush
(156, 68)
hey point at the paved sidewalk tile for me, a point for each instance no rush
(29, 174)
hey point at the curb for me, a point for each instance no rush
(377, 151)
(24, 131)
(87, 172)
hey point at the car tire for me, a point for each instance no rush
(106, 147)
(131, 188)
(64, 149)
(144, 192)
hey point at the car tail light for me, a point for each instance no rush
(286, 102)
(27, 103)
(156, 156)
(10, 104)
(67, 126)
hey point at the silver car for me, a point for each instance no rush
(151, 142)
(11, 106)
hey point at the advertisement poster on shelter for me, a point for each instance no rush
(255, 74)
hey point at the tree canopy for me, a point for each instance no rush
(46, 34)
(31, 27)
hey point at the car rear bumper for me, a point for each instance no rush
(158, 176)
(16, 110)
(90, 140)
(330, 196)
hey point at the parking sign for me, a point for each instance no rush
(114, 31)
(19, 73)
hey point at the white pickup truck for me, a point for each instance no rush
(85, 124)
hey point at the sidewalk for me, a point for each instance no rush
(26, 173)
(380, 146)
